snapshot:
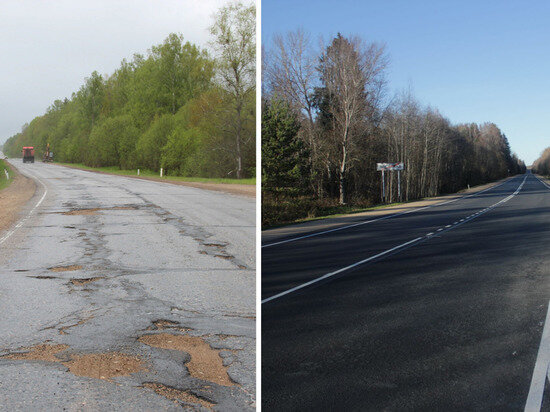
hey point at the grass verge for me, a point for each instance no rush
(3, 181)
(149, 173)
(283, 211)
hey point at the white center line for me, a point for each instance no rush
(328, 275)
(380, 218)
(398, 247)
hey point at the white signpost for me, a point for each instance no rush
(391, 167)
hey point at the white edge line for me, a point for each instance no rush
(540, 371)
(22, 221)
(328, 275)
(538, 381)
(380, 218)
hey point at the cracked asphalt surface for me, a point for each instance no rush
(452, 322)
(156, 252)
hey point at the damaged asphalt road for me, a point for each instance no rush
(125, 294)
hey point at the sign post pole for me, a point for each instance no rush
(382, 167)
(399, 184)
(383, 187)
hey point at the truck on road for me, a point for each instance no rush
(28, 154)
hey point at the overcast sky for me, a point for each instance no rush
(47, 48)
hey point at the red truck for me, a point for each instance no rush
(28, 154)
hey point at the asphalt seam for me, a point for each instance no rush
(398, 247)
(378, 219)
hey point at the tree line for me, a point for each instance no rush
(542, 164)
(180, 107)
(327, 121)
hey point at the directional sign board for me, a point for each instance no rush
(390, 166)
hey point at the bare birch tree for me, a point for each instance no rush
(353, 75)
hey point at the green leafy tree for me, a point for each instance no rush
(234, 33)
(150, 144)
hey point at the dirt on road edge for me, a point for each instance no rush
(14, 197)
(231, 188)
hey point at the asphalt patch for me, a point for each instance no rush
(205, 363)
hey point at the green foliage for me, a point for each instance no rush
(164, 109)
(113, 143)
(234, 33)
(3, 181)
(150, 144)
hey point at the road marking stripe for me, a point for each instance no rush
(328, 275)
(401, 246)
(381, 218)
(541, 369)
(22, 221)
(538, 381)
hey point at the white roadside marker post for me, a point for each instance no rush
(382, 167)
(7, 174)
(161, 172)
(138, 172)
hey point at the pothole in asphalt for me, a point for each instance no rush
(85, 281)
(94, 210)
(43, 277)
(216, 245)
(205, 363)
(104, 365)
(43, 352)
(178, 395)
(65, 268)
(162, 324)
(92, 365)
(226, 257)
(223, 336)
(81, 212)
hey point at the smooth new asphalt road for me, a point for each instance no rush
(162, 251)
(438, 309)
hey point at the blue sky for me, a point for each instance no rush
(475, 61)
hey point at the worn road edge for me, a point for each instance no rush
(14, 199)
(230, 188)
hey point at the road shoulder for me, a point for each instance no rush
(14, 198)
(234, 189)
(299, 229)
